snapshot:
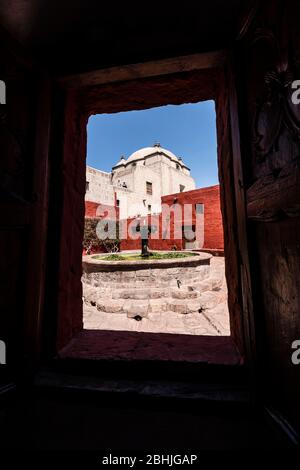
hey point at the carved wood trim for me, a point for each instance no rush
(275, 109)
(274, 197)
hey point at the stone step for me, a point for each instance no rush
(93, 295)
(140, 282)
(184, 307)
(134, 308)
(158, 305)
(148, 295)
(181, 301)
(141, 293)
(161, 285)
(130, 307)
(184, 293)
(110, 306)
(209, 300)
(210, 284)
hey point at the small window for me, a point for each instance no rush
(181, 188)
(149, 208)
(148, 187)
(118, 202)
(199, 208)
(134, 164)
(2, 353)
(2, 92)
(87, 185)
(177, 166)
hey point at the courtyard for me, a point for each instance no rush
(210, 318)
(153, 198)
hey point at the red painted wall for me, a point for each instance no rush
(104, 210)
(156, 242)
(96, 210)
(213, 226)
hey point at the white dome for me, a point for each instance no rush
(121, 162)
(146, 151)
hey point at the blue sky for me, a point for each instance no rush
(188, 130)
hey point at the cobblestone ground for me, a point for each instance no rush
(213, 319)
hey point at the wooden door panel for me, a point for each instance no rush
(268, 62)
(23, 189)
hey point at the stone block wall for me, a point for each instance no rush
(99, 186)
(145, 287)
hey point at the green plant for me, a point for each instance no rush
(113, 257)
(139, 257)
(91, 242)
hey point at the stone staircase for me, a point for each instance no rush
(183, 297)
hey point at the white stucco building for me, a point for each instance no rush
(138, 182)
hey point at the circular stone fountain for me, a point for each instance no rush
(137, 288)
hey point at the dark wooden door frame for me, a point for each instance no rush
(139, 86)
(26, 214)
(234, 215)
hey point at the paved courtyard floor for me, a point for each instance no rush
(212, 319)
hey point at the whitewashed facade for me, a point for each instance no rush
(138, 182)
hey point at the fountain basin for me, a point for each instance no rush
(140, 287)
(98, 263)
